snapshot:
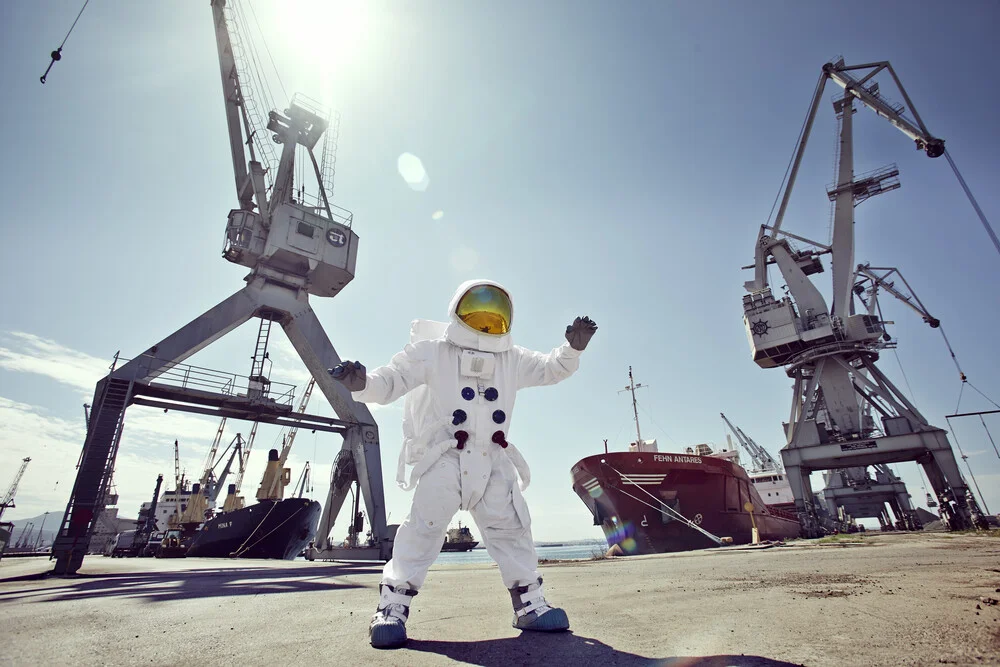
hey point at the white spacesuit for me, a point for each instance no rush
(461, 379)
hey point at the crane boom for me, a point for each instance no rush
(911, 299)
(208, 476)
(302, 486)
(290, 437)
(232, 94)
(761, 458)
(245, 456)
(8, 498)
(868, 95)
(237, 445)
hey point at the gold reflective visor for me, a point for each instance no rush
(486, 309)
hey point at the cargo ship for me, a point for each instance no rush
(278, 529)
(273, 527)
(647, 501)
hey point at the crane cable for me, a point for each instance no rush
(965, 458)
(990, 436)
(975, 205)
(965, 381)
(57, 54)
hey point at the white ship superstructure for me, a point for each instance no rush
(171, 503)
(772, 486)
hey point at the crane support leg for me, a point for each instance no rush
(117, 391)
(112, 396)
(951, 496)
(311, 342)
(798, 479)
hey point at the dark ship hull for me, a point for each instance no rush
(5, 535)
(278, 529)
(624, 492)
(459, 546)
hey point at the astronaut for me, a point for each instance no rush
(460, 379)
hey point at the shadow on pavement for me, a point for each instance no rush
(568, 648)
(186, 584)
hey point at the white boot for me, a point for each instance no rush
(388, 626)
(531, 612)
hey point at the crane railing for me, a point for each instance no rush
(185, 376)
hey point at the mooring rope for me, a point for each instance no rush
(240, 548)
(238, 553)
(668, 508)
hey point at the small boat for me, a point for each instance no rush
(459, 539)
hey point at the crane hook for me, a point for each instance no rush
(56, 56)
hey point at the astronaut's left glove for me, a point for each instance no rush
(351, 374)
(580, 332)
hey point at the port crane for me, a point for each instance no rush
(8, 498)
(25, 540)
(295, 246)
(177, 466)
(830, 349)
(762, 459)
(302, 487)
(863, 495)
(146, 528)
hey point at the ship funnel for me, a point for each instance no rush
(231, 490)
(275, 479)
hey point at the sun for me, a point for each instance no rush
(328, 34)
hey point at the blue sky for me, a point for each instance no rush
(606, 159)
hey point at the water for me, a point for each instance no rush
(575, 551)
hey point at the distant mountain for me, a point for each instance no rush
(49, 526)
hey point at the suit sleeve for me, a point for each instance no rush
(406, 371)
(535, 369)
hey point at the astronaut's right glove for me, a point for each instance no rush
(580, 332)
(352, 374)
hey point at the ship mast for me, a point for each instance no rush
(632, 386)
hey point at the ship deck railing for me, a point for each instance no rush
(784, 514)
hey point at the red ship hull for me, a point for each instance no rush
(627, 491)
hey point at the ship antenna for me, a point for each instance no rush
(632, 386)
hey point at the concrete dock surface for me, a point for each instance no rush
(881, 599)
